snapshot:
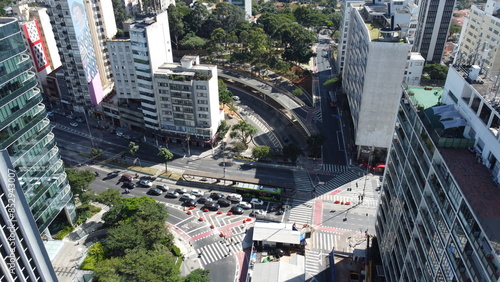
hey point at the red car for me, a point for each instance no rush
(127, 177)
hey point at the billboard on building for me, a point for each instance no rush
(86, 48)
(37, 48)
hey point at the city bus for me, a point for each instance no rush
(258, 191)
(332, 98)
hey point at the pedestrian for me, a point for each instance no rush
(356, 184)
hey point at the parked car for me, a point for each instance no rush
(234, 197)
(216, 196)
(74, 124)
(70, 116)
(236, 210)
(128, 185)
(189, 203)
(128, 137)
(224, 202)
(186, 196)
(154, 191)
(171, 194)
(236, 98)
(245, 205)
(127, 177)
(79, 119)
(181, 190)
(276, 252)
(256, 202)
(204, 199)
(145, 183)
(257, 212)
(196, 192)
(162, 187)
(119, 134)
(49, 114)
(211, 206)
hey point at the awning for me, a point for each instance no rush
(454, 123)
(442, 109)
(450, 115)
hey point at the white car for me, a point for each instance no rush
(236, 98)
(234, 197)
(257, 202)
(196, 192)
(244, 205)
(186, 197)
(74, 124)
(119, 134)
(146, 183)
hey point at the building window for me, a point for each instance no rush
(202, 87)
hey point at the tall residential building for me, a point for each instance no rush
(134, 58)
(101, 18)
(479, 39)
(83, 86)
(25, 132)
(22, 254)
(439, 217)
(401, 15)
(187, 101)
(24, 13)
(375, 63)
(434, 21)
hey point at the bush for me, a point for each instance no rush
(95, 254)
(64, 231)
(239, 147)
(176, 251)
(84, 212)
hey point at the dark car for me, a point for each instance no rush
(277, 252)
(154, 191)
(129, 185)
(216, 196)
(236, 210)
(211, 206)
(224, 202)
(204, 199)
(189, 203)
(181, 190)
(162, 187)
(171, 194)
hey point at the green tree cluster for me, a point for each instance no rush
(262, 152)
(436, 71)
(79, 181)
(139, 247)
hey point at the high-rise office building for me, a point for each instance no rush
(375, 63)
(22, 254)
(434, 19)
(25, 132)
(479, 39)
(83, 85)
(144, 47)
(439, 217)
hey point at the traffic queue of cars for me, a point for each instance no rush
(212, 202)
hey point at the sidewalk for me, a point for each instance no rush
(73, 248)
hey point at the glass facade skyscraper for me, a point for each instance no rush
(25, 132)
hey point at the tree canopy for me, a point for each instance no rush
(436, 71)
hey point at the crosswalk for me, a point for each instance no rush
(301, 211)
(337, 182)
(313, 265)
(74, 131)
(221, 249)
(302, 181)
(325, 241)
(264, 127)
(335, 168)
(353, 199)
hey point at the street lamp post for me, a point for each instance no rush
(90, 132)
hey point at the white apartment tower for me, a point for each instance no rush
(246, 5)
(101, 16)
(375, 63)
(479, 40)
(144, 48)
(187, 99)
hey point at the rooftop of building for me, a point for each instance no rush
(378, 21)
(6, 20)
(473, 178)
(487, 86)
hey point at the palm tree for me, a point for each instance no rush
(165, 155)
(244, 131)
